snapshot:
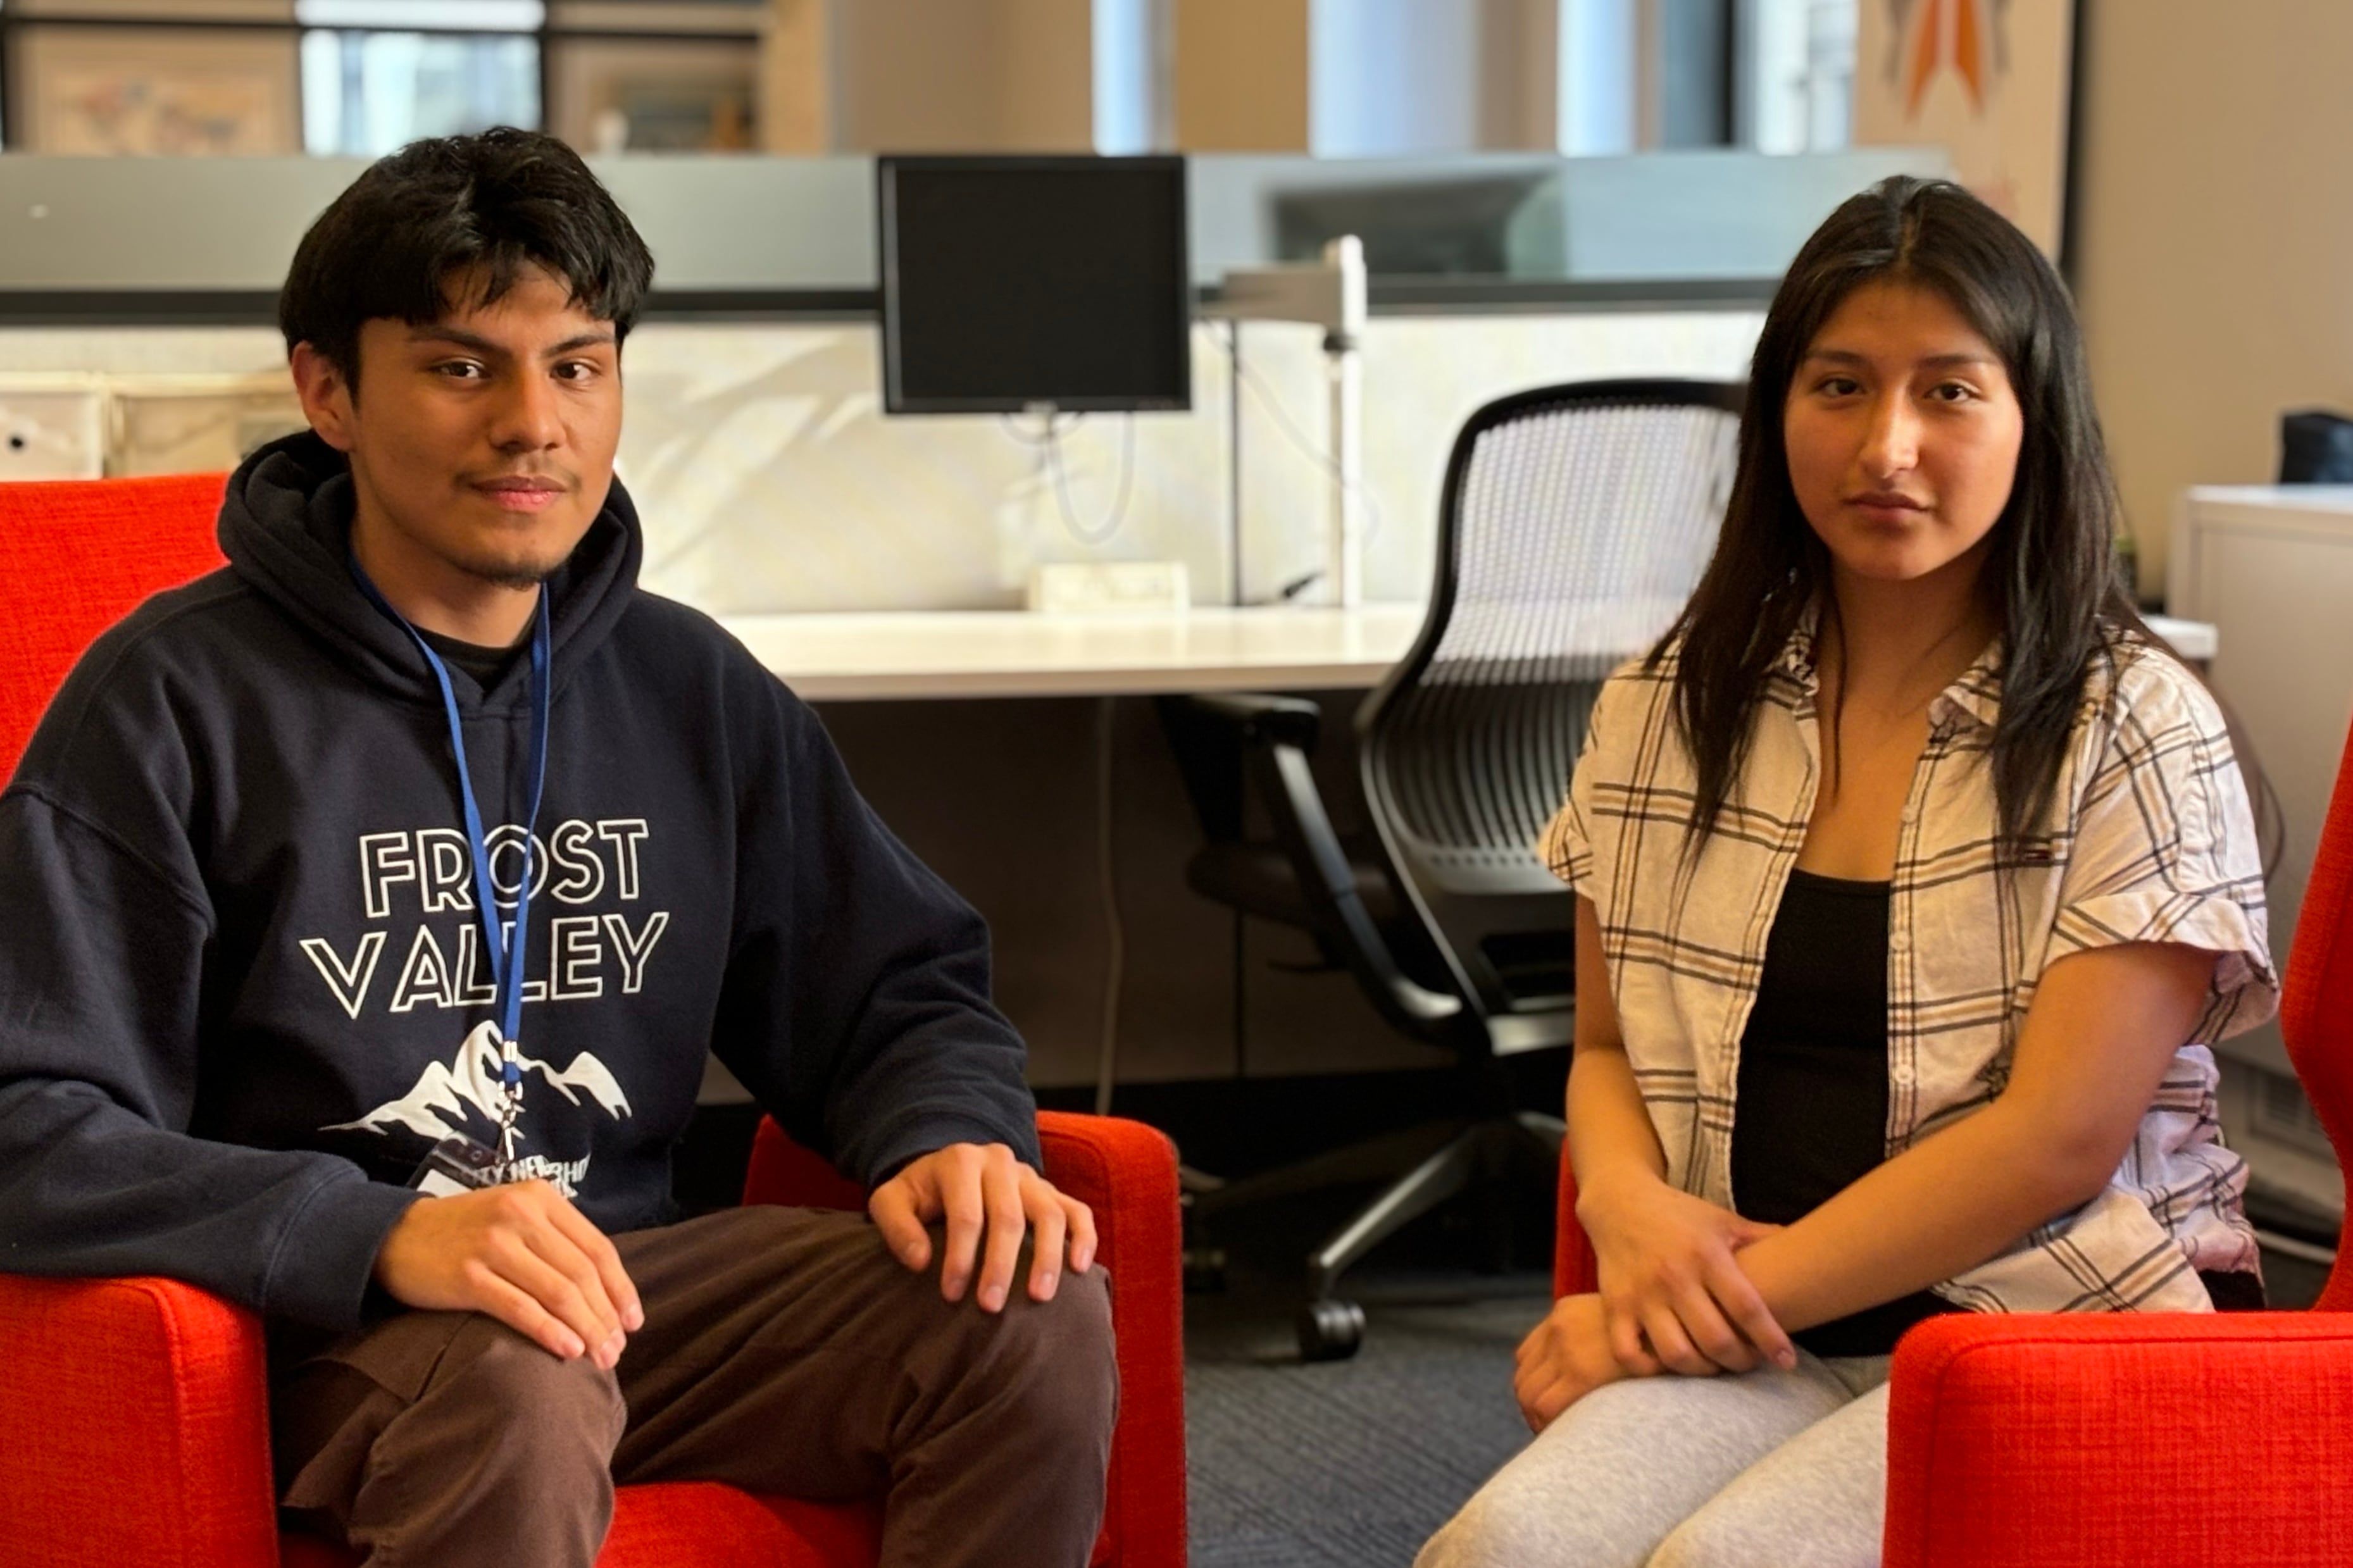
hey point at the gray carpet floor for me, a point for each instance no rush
(1348, 1464)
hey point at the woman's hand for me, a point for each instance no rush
(1668, 1277)
(1565, 1358)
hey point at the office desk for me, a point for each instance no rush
(1014, 653)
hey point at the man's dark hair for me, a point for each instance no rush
(2051, 577)
(417, 222)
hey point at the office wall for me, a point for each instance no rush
(2214, 234)
(778, 486)
(771, 481)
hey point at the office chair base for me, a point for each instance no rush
(1330, 1329)
(1448, 1158)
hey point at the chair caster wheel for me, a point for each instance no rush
(1205, 1270)
(1330, 1329)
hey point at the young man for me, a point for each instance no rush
(419, 845)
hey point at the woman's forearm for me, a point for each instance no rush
(1609, 1131)
(2096, 1043)
(1944, 1205)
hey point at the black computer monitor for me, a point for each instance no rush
(1013, 283)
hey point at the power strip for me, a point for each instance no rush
(1110, 587)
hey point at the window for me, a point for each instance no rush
(1797, 88)
(366, 93)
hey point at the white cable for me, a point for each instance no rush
(1108, 528)
(1107, 1064)
(1048, 445)
(1320, 457)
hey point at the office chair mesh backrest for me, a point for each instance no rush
(1575, 522)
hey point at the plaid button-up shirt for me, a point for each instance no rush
(2150, 838)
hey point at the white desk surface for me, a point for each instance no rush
(2190, 639)
(2336, 498)
(1016, 653)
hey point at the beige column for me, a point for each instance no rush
(1519, 74)
(1241, 76)
(795, 81)
(962, 76)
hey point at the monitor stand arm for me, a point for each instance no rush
(1328, 294)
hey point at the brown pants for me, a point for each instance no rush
(785, 1351)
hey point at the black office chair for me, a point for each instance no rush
(1575, 521)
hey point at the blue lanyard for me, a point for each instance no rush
(505, 956)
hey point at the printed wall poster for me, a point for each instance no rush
(610, 96)
(136, 90)
(1987, 79)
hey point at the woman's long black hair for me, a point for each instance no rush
(2051, 578)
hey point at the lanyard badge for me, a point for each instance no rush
(459, 1162)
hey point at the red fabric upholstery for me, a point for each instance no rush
(134, 1413)
(136, 1427)
(2196, 1441)
(2317, 1001)
(697, 1524)
(2061, 1441)
(1573, 1269)
(77, 556)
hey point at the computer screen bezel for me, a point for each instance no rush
(886, 171)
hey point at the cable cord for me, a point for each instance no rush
(1322, 457)
(1107, 1062)
(1047, 444)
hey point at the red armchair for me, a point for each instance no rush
(139, 1430)
(133, 1417)
(2187, 1440)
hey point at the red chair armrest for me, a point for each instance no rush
(1573, 1269)
(1126, 1173)
(2060, 1441)
(136, 1417)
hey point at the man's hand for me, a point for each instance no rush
(523, 1255)
(980, 1190)
(1667, 1277)
(1565, 1358)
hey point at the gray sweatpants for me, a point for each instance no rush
(1767, 1469)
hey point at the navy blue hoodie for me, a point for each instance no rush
(241, 990)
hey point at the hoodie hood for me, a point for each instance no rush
(286, 525)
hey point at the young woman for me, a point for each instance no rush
(1911, 876)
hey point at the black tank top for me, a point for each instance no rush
(1811, 1116)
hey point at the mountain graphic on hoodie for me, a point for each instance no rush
(472, 1079)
